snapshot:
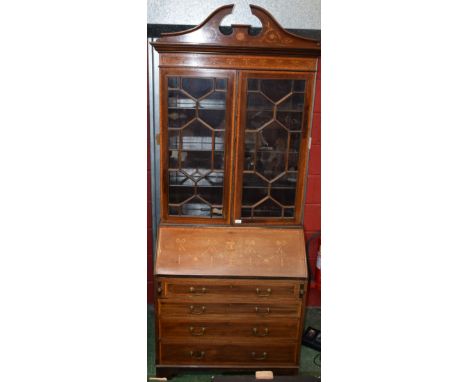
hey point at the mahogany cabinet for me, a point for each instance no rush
(235, 122)
(229, 298)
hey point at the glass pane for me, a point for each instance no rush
(270, 165)
(295, 142)
(276, 89)
(293, 160)
(195, 207)
(197, 87)
(213, 195)
(267, 209)
(177, 99)
(214, 118)
(291, 120)
(253, 195)
(173, 82)
(284, 196)
(199, 160)
(252, 84)
(179, 178)
(173, 159)
(179, 194)
(196, 143)
(253, 180)
(216, 101)
(221, 83)
(218, 161)
(180, 117)
(197, 136)
(250, 142)
(258, 102)
(219, 140)
(246, 212)
(257, 119)
(272, 139)
(173, 210)
(174, 141)
(289, 212)
(299, 85)
(294, 102)
(215, 179)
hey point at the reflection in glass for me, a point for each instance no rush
(257, 101)
(215, 118)
(291, 120)
(179, 117)
(267, 209)
(197, 87)
(173, 82)
(276, 89)
(272, 140)
(215, 101)
(179, 100)
(258, 118)
(221, 83)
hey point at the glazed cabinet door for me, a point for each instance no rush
(196, 127)
(272, 147)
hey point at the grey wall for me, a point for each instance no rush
(293, 14)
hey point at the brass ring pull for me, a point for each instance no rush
(262, 357)
(256, 333)
(197, 354)
(194, 291)
(200, 333)
(194, 311)
(259, 294)
(264, 313)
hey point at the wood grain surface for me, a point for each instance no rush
(231, 251)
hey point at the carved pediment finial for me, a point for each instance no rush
(207, 37)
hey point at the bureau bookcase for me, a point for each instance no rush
(235, 120)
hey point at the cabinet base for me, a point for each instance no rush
(171, 371)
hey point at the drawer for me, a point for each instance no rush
(210, 354)
(264, 310)
(253, 329)
(229, 288)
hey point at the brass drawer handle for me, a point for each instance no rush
(260, 294)
(194, 311)
(264, 313)
(200, 333)
(256, 332)
(197, 354)
(194, 291)
(262, 357)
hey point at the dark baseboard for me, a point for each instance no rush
(155, 30)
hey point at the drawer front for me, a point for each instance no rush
(209, 354)
(232, 288)
(253, 329)
(266, 311)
